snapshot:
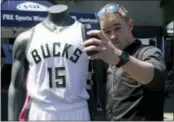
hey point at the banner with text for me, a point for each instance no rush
(26, 14)
(29, 19)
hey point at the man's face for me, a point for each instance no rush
(117, 30)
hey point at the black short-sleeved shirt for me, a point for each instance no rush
(129, 100)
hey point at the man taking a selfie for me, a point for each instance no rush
(135, 73)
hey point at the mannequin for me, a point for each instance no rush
(57, 22)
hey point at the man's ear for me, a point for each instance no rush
(130, 24)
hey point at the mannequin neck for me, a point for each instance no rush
(59, 15)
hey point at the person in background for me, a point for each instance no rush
(2, 58)
(6, 70)
(136, 73)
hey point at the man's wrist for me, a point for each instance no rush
(122, 58)
(118, 53)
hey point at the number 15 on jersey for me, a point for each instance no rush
(59, 80)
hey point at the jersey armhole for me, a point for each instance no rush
(30, 40)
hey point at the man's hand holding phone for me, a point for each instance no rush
(100, 47)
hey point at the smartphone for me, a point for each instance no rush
(90, 53)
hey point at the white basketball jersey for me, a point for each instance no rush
(58, 68)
